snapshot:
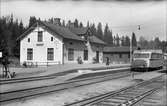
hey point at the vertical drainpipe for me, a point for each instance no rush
(63, 54)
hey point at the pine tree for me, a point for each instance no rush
(127, 41)
(88, 24)
(32, 20)
(93, 29)
(117, 40)
(76, 23)
(80, 25)
(134, 42)
(99, 31)
(63, 23)
(108, 35)
(123, 41)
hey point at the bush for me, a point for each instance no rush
(94, 60)
(25, 64)
(79, 60)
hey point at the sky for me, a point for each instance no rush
(123, 17)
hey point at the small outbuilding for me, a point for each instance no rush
(117, 54)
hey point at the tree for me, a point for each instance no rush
(80, 25)
(110, 38)
(63, 23)
(143, 42)
(21, 27)
(117, 40)
(122, 41)
(157, 43)
(99, 31)
(108, 35)
(76, 23)
(127, 41)
(32, 20)
(87, 24)
(93, 29)
(134, 42)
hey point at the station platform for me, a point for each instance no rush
(51, 70)
(56, 80)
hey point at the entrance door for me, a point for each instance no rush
(97, 56)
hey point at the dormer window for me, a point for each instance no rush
(40, 36)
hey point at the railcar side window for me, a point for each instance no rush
(156, 56)
(141, 55)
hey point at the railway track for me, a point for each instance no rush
(21, 80)
(39, 91)
(128, 96)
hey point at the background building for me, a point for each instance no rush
(117, 54)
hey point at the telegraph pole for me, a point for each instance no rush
(131, 57)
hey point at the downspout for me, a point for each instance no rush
(63, 54)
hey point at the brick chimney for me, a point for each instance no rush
(57, 21)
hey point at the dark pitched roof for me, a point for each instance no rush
(94, 39)
(79, 31)
(62, 31)
(118, 49)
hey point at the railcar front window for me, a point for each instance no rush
(141, 55)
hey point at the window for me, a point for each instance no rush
(40, 36)
(85, 54)
(70, 54)
(50, 54)
(156, 56)
(51, 38)
(28, 39)
(120, 55)
(141, 55)
(29, 54)
(71, 43)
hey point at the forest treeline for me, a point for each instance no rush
(11, 29)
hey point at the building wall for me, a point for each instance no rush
(116, 58)
(79, 48)
(40, 48)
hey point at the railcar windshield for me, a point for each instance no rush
(141, 55)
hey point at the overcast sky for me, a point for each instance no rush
(122, 17)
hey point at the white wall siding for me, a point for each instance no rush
(40, 48)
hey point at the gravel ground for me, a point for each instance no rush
(71, 95)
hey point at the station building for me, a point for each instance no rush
(117, 54)
(50, 43)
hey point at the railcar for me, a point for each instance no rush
(147, 60)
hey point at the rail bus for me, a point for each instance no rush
(165, 60)
(147, 60)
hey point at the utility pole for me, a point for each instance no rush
(131, 57)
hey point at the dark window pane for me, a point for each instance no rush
(50, 54)
(51, 38)
(70, 54)
(28, 39)
(29, 54)
(85, 54)
(40, 36)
